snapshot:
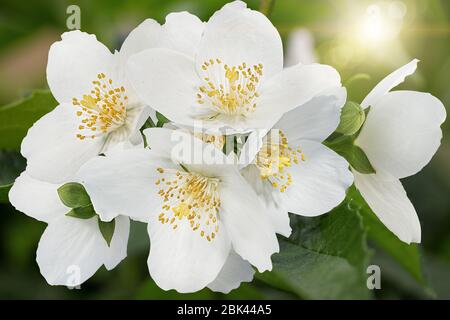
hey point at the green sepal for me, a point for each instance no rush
(85, 212)
(359, 161)
(74, 195)
(161, 119)
(356, 157)
(107, 230)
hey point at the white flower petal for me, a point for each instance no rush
(123, 183)
(129, 134)
(235, 271)
(117, 250)
(248, 225)
(251, 147)
(182, 147)
(391, 81)
(389, 201)
(182, 32)
(236, 34)
(165, 80)
(74, 62)
(291, 88)
(316, 119)
(70, 251)
(319, 183)
(137, 122)
(402, 132)
(279, 217)
(51, 147)
(181, 259)
(145, 36)
(268, 195)
(37, 199)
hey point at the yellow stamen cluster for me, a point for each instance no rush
(230, 90)
(192, 197)
(102, 110)
(274, 156)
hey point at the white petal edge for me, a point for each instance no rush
(74, 62)
(271, 198)
(388, 200)
(117, 250)
(389, 82)
(146, 35)
(292, 87)
(236, 34)
(319, 183)
(248, 225)
(235, 271)
(182, 32)
(402, 133)
(251, 147)
(37, 199)
(316, 119)
(53, 151)
(123, 183)
(70, 251)
(181, 259)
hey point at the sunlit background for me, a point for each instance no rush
(363, 40)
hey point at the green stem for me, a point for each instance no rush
(266, 7)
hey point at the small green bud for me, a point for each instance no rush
(352, 118)
(74, 195)
(107, 230)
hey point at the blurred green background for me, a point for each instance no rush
(364, 40)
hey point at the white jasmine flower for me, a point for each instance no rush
(98, 108)
(71, 249)
(204, 220)
(235, 78)
(400, 136)
(291, 170)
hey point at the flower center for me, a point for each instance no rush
(274, 157)
(102, 110)
(229, 90)
(189, 197)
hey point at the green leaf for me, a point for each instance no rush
(325, 258)
(74, 195)
(313, 275)
(161, 119)
(408, 256)
(85, 212)
(352, 118)
(107, 229)
(4, 190)
(18, 117)
(11, 165)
